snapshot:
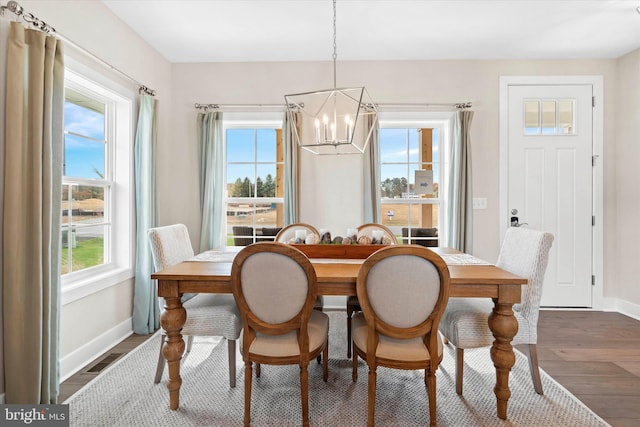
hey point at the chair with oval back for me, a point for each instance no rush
(352, 302)
(403, 291)
(287, 234)
(275, 288)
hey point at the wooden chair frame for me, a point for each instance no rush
(352, 302)
(427, 329)
(253, 324)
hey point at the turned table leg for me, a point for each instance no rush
(172, 320)
(504, 327)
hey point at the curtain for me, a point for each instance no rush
(460, 214)
(146, 312)
(291, 168)
(32, 215)
(212, 187)
(371, 179)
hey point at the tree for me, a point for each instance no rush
(237, 188)
(259, 189)
(247, 188)
(269, 187)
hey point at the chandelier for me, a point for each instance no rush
(334, 121)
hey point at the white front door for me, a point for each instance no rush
(550, 181)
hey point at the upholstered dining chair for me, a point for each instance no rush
(403, 291)
(275, 288)
(207, 314)
(352, 302)
(524, 252)
(288, 233)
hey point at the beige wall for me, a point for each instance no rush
(387, 82)
(626, 225)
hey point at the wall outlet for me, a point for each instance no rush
(479, 203)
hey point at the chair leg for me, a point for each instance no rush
(459, 369)
(320, 309)
(248, 379)
(532, 355)
(349, 315)
(257, 370)
(189, 343)
(231, 349)
(430, 382)
(304, 393)
(372, 396)
(354, 371)
(161, 362)
(325, 362)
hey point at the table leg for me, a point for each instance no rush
(172, 321)
(504, 327)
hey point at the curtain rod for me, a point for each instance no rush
(457, 106)
(18, 10)
(221, 106)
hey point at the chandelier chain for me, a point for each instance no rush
(335, 45)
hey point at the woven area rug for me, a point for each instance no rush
(125, 395)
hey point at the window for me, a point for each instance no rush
(254, 177)
(549, 117)
(97, 176)
(407, 146)
(87, 183)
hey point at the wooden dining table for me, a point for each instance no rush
(338, 277)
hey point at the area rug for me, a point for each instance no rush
(125, 395)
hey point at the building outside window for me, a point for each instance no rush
(407, 146)
(254, 177)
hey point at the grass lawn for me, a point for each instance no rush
(87, 253)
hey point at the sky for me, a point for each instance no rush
(245, 146)
(83, 156)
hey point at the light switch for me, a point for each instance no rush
(479, 203)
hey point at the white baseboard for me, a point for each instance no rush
(76, 360)
(624, 307)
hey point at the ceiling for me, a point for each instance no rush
(302, 30)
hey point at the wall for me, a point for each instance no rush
(627, 134)
(92, 324)
(386, 82)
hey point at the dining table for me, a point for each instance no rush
(471, 277)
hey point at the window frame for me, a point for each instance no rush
(443, 121)
(249, 120)
(121, 103)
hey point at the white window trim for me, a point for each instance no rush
(443, 121)
(244, 120)
(119, 268)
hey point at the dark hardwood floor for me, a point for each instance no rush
(594, 355)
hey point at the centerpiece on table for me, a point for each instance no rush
(350, 246)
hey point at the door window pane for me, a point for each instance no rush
(548, 117)
(566, 117)
(531, 117)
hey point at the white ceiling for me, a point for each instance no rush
(301, 30)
